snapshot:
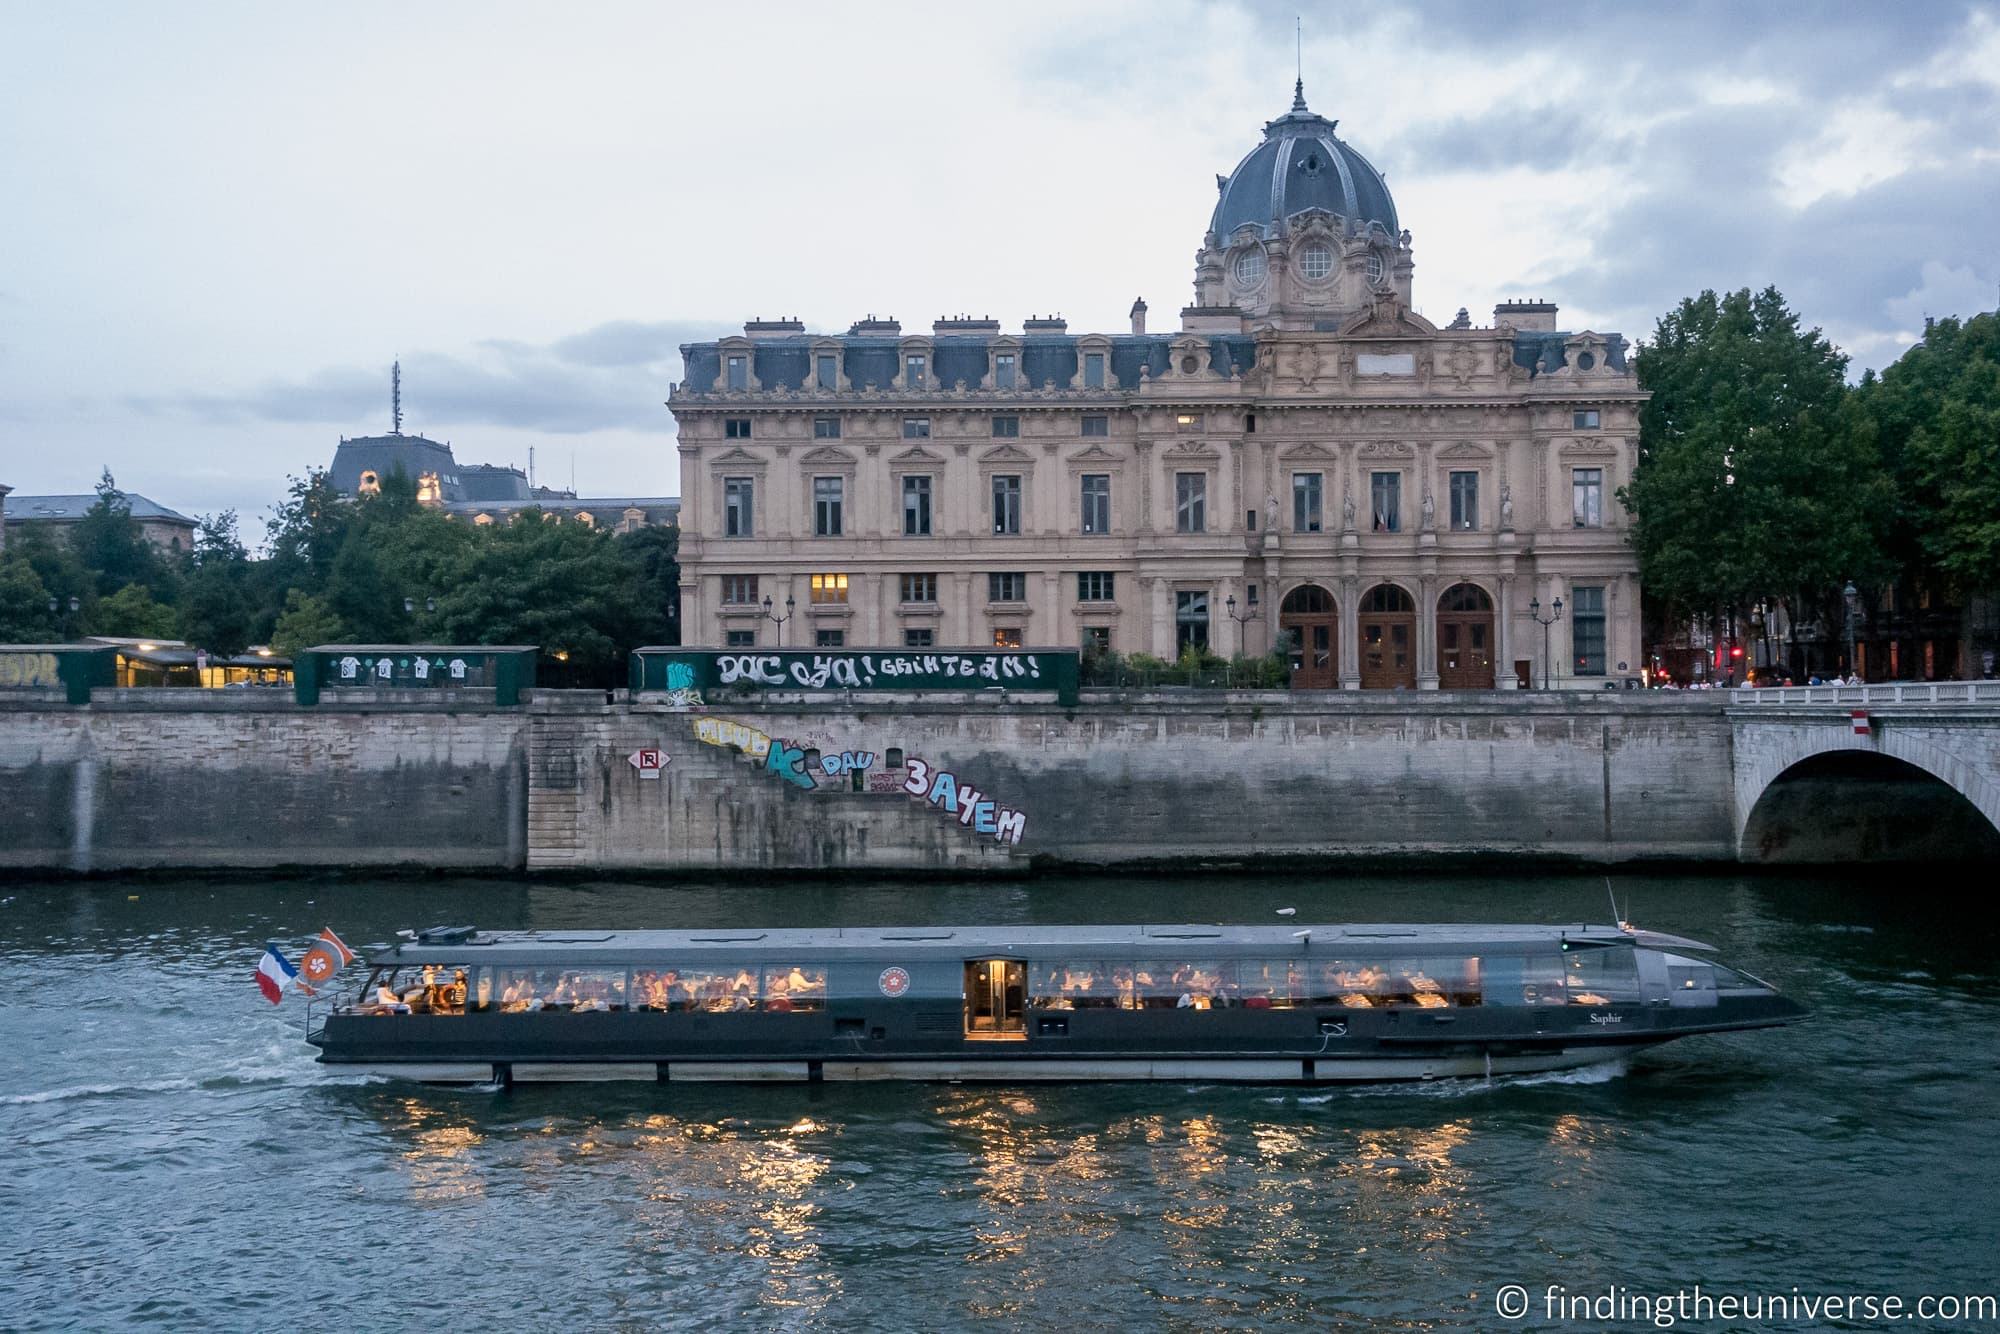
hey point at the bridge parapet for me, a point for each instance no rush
(1888, 692)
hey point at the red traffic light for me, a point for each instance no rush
(1735, 650)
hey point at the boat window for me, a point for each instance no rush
(660, 989)
(1428, 983)
(1608, 976)
(1684, 974)
(1070, 984)
(727, 992)
(573, 990)
(1269, 984)
(427, 989)
(794, 987)
(1532, 979)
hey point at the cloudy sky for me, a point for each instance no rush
(223, 221)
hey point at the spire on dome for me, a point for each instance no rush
(1299, 94)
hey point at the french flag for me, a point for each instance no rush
(274, 974)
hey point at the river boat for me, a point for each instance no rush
(1319, 1004)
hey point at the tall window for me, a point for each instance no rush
(1096, 502)
(1584, 419)
(826, 370)
(1003, 370)
(913, 371)
(1307, 516)
(827, 492)
(916, 428)
(1006, 427)
(1465, 500)
(1587, 628)
(1093, 370)
(916, 507)
(739, 512)
(739, 373)
(920, 588)
(829, 588)
(736, 428)
(1191, 502)
(1385, 493)
(1096, 586)
(1586, 490)
(739, 589)
(1007, 504)
(925, 638)
(826, 428)
(1009, 587)
(1096, 425)
(1190, 621)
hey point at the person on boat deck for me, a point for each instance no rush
(388, 1002)
(778, 997)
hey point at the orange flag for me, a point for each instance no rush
(328, 955)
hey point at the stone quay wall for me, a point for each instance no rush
(447, 781)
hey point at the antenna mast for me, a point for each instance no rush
(396, 399)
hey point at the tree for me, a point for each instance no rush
(216, 609)
(25, 617)
(1751, 483)
(657, 549)
(131, 613)
(108, 542)
(305, 623)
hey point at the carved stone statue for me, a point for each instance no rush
(1270, 514)
(1347, 513)
(1506, 507)
(1429, 513)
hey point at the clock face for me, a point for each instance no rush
(1250, 268)
(1315, 262)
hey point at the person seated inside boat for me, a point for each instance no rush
(656, 990)
(519, 996)
(804, 988)
(1125, 983)
(778, 996)
(387, 1002)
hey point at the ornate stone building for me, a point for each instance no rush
(1306, 455)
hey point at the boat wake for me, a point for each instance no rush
(1602, 1073)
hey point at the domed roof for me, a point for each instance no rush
(1301, 165)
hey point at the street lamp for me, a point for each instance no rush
(1229, 605)
(56, 607)
(1850, 597)
(791, 610)
(1535, 614)
(410, 605)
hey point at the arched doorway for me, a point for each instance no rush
(1388, 620)
(1311, 627)
(1465, 638)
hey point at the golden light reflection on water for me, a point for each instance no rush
(440, 1154)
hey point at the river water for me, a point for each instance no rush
(173, 1155)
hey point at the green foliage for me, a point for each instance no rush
(25, 617)
(108, 543)
(1752, 481)
(305, 622)
(131, 613)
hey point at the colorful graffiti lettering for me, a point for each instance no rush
(29, 671)
(763, 671)
(789, 763)
(732, 735)
(858, 671)
(681, 691)
(954, 796)
(846, 762)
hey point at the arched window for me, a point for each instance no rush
(1387, 598)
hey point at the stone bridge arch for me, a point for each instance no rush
(1768, 750)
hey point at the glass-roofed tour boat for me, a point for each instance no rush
(1279, 1004)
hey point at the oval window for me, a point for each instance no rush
(1250, 268)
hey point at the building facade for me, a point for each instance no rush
(1307, 462)
(168, 530)
(484, 493)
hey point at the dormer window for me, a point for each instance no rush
(1003, 370)
(913, 371)
(739, 373)
(1374, 268)
(1093, 370)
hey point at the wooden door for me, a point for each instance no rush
(1465, 638)
(1312, 627)
(1388, 627)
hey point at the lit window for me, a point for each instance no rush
(1096, 426)
(1007, 504)
(736, 428)
(370, 484)
(916, 428)
(1093, 370)
(1191, 502)
(1009, 587)
(1187, 421)
(586, 518)
(1006, 427)
(1003, 370)
(828, 588)
(919, 588)
(1007, 637)
(482, 520)
(913, 371)
(826, 428)
(1096, 586)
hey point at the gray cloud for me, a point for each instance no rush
(1545, 138)
(615, 375)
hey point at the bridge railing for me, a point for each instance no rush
(1888, 692)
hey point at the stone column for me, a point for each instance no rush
(963, 616)
(1053, 628)
(1427, 619)
(1503, 636)
(1350, 632)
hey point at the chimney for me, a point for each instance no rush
(1045, 324)
(763, 328)
(1139, 316)
(1534, 316)
(871, 325)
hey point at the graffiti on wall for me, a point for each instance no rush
(859, 671)
(975, 810)
(732, 735)
(815, 765)
(29, 671)
(681, 691)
